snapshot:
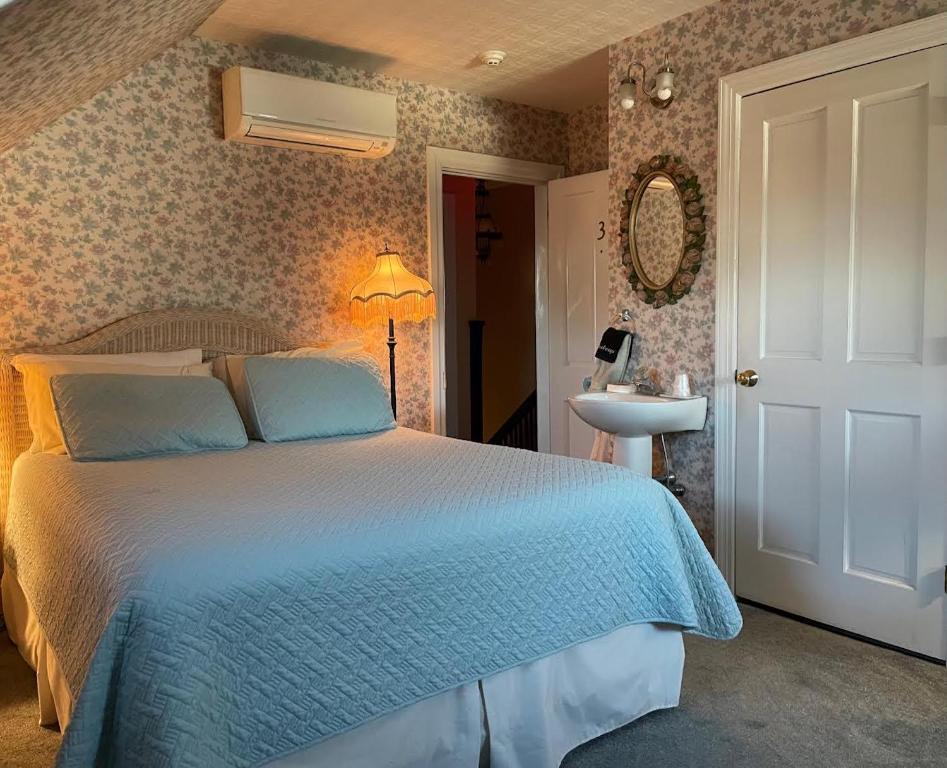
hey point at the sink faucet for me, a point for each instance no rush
(645, 386)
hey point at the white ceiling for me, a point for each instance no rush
(556, 49)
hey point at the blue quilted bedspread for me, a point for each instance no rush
(226, 609)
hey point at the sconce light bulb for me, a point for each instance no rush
(626, 94)
(664, 84)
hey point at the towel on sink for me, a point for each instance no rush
(612, 357)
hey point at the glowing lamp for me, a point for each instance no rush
(391, 293)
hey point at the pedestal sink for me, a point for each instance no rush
(635, 418)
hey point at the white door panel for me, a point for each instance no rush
(578, 299)
(841, 446)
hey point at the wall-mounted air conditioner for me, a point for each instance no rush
(295, 112)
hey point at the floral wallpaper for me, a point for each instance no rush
(133, 201)
(588, 139)
(55, 54)
(703, 46)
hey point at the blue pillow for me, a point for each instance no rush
(307, 397)
(111, 416)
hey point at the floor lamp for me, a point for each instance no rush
(391, 293)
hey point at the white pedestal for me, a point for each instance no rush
(634, 453)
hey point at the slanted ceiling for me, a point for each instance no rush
(56, 54)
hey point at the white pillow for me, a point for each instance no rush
(231, 371)
(179, 357)
(38, 369)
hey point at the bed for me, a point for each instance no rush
(391, 599)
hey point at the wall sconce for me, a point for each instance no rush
(487, 231)
(661, 93)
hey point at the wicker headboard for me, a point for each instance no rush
(215, 331)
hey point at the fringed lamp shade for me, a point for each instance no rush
(391, 292)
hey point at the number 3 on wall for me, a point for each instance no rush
(601, 231)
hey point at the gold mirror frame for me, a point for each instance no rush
(695, 230)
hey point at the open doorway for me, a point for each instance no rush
(490, 311)
(443, 162)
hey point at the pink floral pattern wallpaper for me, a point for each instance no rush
(133, 201)
(55, 54)
(704, 45)
(588, 139)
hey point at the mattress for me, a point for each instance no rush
(185, 595)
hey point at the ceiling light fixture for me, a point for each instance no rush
(661, 93)
(492, 58)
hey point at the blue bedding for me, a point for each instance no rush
(226, 609)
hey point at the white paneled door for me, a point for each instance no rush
(578, 300)
(842, 442)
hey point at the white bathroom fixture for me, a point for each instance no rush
(298, 113)
(635, 418)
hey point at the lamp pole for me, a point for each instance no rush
(391, 366)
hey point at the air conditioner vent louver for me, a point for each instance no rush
(295, 112)
(297, 136)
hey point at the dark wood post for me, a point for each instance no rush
(476, 380)
(391, 366)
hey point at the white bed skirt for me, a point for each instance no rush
(530, 716)
(55, 700)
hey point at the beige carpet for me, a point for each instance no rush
(782, 695)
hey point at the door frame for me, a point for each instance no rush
(495, 168)
(885, 44)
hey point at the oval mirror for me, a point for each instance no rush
(658, 231)
(663, 230)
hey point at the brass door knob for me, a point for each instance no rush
(747, 378)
